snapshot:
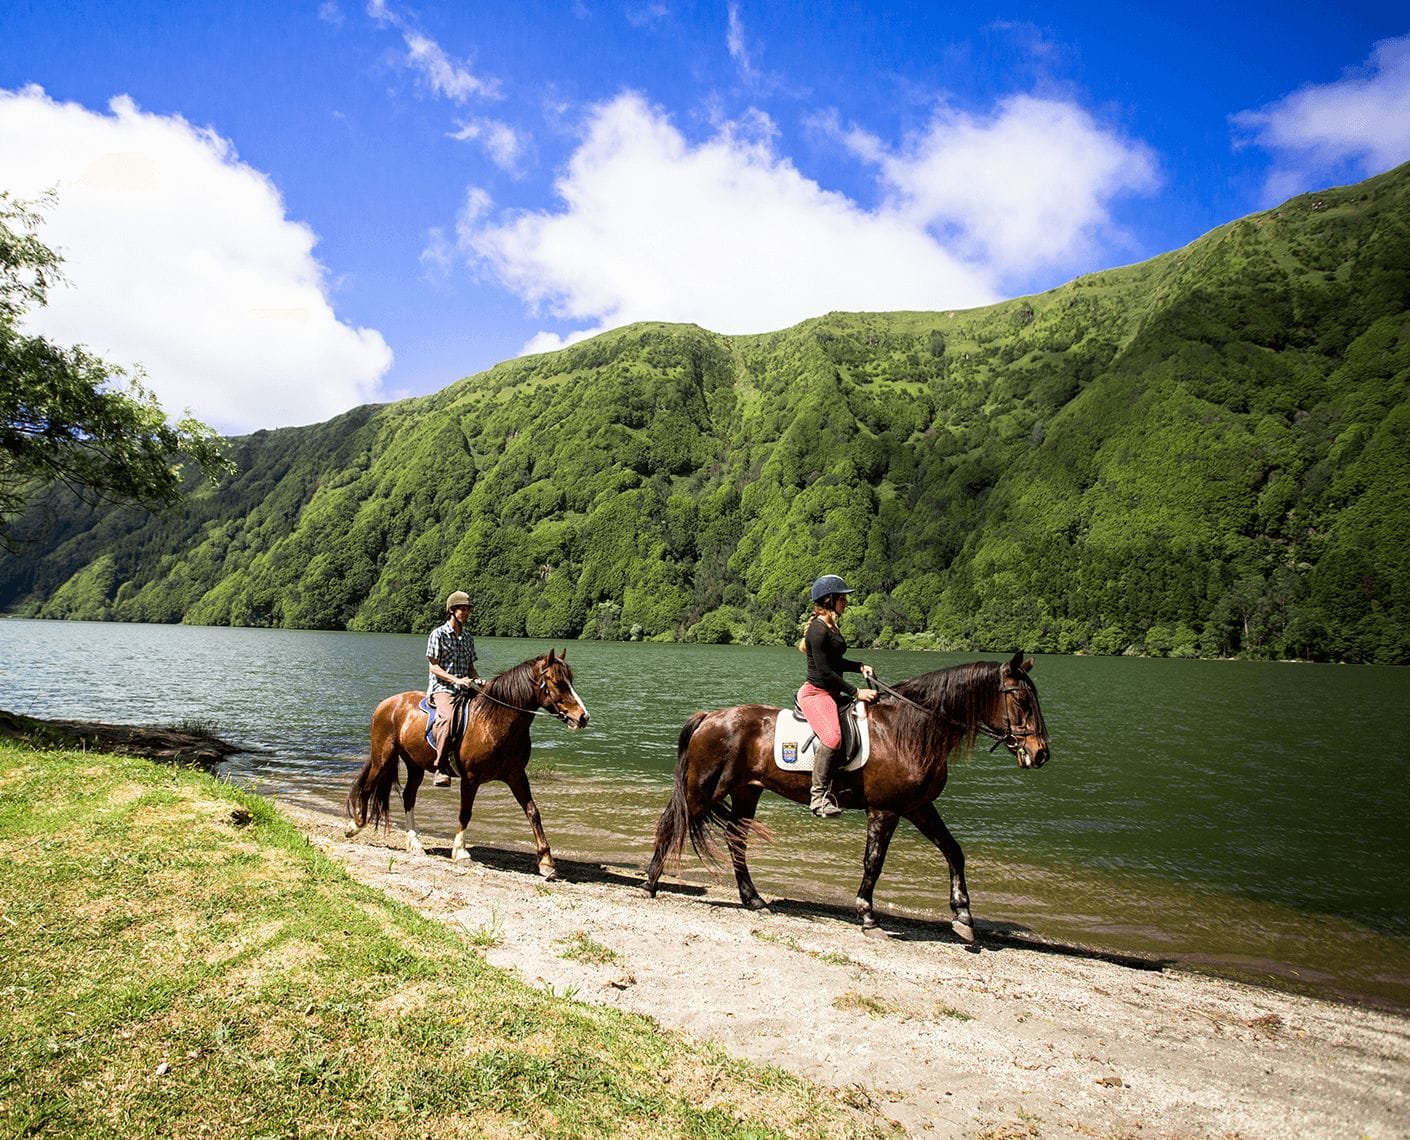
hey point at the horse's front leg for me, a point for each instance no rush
(459, 853)
(743, 803)
(414, 776)
(881, 825)
(519, 785)
(930, 825)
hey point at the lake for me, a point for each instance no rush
(1243, 818)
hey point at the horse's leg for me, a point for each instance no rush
(519, 784)
(881, 825)
(459, 853)
(930, 825)
(743, 802)
(414, 776)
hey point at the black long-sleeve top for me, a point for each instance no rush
(826, 651)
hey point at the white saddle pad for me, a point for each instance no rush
(795, 743)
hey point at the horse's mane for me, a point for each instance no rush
(512, 691)
(957, 700)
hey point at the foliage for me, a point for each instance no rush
(1204, 454)
(67, 416)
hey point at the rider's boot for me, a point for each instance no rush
(441, 777)
(822, 802)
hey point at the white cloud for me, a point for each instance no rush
(428, 59)
(725, 234)
(1024, 189)
(1358, 126)
(738, 49)
(501, 142)
(181, 261)
(730, 235)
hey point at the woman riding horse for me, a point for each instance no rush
(822, 693)
(725, 761)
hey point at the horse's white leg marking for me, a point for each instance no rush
(413, 844)
(458, 851)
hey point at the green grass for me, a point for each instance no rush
(581, 948)
(177, 960)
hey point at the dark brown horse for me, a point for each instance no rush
(495, 747)
(915, 728)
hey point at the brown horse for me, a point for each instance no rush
(914, 729)
(495, 746)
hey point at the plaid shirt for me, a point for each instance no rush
(453, 652)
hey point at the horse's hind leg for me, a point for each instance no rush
(930, 825)
(881, 825)
(743, 802)
(414, 776)
(519, 785)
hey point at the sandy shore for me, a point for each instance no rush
(944, 1040)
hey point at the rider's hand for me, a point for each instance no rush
(868, 672)
(866, 696)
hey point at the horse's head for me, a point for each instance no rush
(553, 682)
(1025, 731)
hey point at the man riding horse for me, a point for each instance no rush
(450, 653)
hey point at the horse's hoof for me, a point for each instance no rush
(549, 874)
(757, 904)
(963, 931)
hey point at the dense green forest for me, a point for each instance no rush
(1201, 455)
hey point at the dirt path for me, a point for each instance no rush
(943, 1040)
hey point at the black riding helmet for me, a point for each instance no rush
(828, 585)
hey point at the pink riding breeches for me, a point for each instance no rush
(820, 707)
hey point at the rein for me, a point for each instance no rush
(483, 691)
(1008, 737)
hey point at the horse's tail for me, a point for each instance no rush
(370, 797)
(676, 824)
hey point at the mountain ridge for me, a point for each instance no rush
(1201, 454)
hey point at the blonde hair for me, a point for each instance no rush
(829, 619)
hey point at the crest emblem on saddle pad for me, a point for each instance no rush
(795, 743)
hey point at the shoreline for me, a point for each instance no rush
(1007, 1039)
(1012, 1037)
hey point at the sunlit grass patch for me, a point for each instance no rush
(176, 959)
(869, 1004)
(578, 947)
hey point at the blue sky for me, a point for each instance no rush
(280, 210)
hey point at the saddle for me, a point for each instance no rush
(460, 710)
(796, 744)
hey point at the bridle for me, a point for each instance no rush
(1008, 737)
(540, 683)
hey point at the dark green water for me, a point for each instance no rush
(1245, 818)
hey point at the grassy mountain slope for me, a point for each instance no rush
(1202, 454)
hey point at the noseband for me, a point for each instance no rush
(1009, 737)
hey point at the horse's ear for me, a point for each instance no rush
(1028, 665)
(1016, 663)
(564, 655)
(551, 655)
